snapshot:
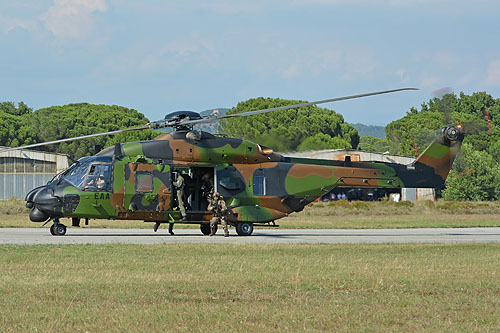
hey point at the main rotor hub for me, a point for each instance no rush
(176, 120)
(181, 115)
(178, 117)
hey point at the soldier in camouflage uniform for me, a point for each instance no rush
(217, 205)
(207, 186)
(179, 185)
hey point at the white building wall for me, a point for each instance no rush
(16, 181)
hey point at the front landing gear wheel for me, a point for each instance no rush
(58, 229)
(205, 228)
(244, 229)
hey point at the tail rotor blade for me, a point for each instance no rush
(445, 108)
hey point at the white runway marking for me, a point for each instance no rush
(30, 236)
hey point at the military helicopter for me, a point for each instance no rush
(134, 181)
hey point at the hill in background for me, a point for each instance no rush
(211, 127)
(370, 130)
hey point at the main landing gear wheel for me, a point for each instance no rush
(52, 231)
(205, 228)
(244, 228)
(58, 229)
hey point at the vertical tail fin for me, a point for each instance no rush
(439, 156)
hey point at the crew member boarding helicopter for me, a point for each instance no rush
(134, 181)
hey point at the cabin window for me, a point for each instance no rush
(98, 178)
(259, 185)
(143, 181)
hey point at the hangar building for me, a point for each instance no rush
(22, 170)
(410, 194)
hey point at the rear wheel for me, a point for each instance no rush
(244, 228)
(205, 228)
(52, 230)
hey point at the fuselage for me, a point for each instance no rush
(134, 180)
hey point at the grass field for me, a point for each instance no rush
(341, 214)
(200, 287)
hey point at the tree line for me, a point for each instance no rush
(20, 125)
(302, 129)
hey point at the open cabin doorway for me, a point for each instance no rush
(203, 184)
(199, 182)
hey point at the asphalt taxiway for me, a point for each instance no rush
(31, 236)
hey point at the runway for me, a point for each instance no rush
(32, 236)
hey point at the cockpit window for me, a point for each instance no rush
(81, 172)
(76, 173)
(99, 178)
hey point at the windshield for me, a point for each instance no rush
(58, 175)
(76, 173)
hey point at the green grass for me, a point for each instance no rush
(218, 287)
(338, 214)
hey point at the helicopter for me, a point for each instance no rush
(134, 180)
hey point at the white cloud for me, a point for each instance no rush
(193, 51)
(403, 76)
(442, 59)
(188, 45)
(445, 59)
(431, 81)
(359, 60)
(72, 18)
(233, 7)
(196, 49)
(14, 15)
(292, 70)
(383, 3)
(469, 77)
(493, 75)
(349, 61)
(279, 54)
(9, 23)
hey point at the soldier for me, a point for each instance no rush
(206, 186)
(217, 205)
(179, 185)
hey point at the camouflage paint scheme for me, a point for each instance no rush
(257, 184)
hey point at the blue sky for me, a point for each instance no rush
(161, 56)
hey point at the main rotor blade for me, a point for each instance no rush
(78, 138)
(250, 113)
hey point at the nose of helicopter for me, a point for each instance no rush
(43, 203)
